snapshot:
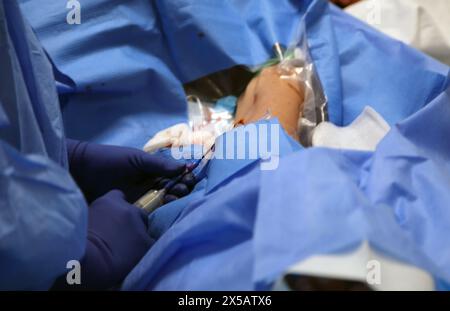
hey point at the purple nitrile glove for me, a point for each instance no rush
(117, 239)
(98, 169)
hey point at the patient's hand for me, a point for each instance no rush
(272, 93)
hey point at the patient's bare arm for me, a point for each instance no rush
(272, 93)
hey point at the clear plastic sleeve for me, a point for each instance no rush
(214, 100)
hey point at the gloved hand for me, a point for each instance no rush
(98, 169)
(117, 240)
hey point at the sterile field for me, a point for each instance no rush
(239, 145)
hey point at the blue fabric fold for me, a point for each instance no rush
(220, 169)
(42, 211)
(130, 60)
(237, 149)
(319, 201)
(332, 201)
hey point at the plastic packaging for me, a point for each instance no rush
(213, 118)
(286, 86)
(206, 96)
(298, 59)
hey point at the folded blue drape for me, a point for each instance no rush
(129, 60)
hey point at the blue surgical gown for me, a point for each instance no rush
(42, 212)
(242, 227)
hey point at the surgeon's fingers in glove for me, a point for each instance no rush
(179, 190)
(117, 240)
(98, 169)
(176, 192)
(170, 198)
(189, 180)
(154, 165)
